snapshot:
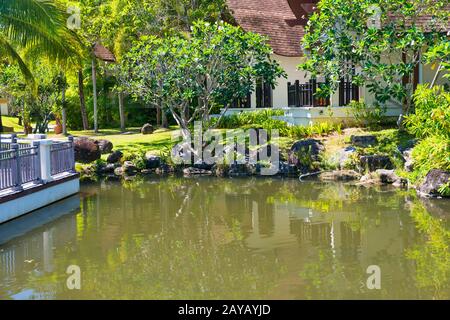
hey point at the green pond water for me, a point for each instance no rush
(208, 238)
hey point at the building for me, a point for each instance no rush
(283, 22)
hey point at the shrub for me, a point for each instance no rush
(432, 114)
(366, 116)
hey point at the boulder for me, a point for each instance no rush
(86, 150)
(152, 161)
(191, 171)
(383, 176)
(363, 141)
(340, 175)
(433, 181)
(147, 129)
(105, 146)
(304, 154)
(115, 157)
(220, 170)
(375, 162)
(409, 161)
(287, 169)
(128, 168)
(240, 170)
(342, 157)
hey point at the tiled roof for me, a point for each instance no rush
(103, 53)
(275, 19)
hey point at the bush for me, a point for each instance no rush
(431, 153)
(431, 122)
(366, 116)
(432, 114)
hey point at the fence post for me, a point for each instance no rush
(17, 168)
(72, 154)
(45, 160)
(37, 146)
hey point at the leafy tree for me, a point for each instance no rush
(34, 25)
(216, 64)
(375, 42)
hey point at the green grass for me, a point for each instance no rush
(12, 122)
(134, 141)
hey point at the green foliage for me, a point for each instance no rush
(431, 122)
(215, 65)
(265, 119)
(431, 153)
(340, 42)
(365, 116)
(432, 114)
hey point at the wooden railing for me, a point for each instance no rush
(305, 94)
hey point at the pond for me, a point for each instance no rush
(209, 238)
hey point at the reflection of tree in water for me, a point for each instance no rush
(431, 255)
(162, 268)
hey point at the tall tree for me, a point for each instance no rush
(34, 25)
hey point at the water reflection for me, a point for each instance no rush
(225, 239)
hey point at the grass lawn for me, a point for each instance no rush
(133, 140)
(12, 122)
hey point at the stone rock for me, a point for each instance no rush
(109, 168)
(115, 157)
(86, 150)
(374, 162)
(240, 170)
(409, 161)
(128, 168)
(105, 146)
(363, 141)
(383, 176)
(433, 181)
(163, 169)
(152, 161)
(304, 154)
(342, 156)
(220, 170)
(147, 129)
(287, 169)
(410, 144)
(389, 177)
(191, 171)
(340, 175)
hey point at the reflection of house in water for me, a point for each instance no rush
(27, 244)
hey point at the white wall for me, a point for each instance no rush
(35, 200)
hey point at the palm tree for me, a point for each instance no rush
(35, 25)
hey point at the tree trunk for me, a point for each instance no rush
(63, 110)
(121, 113)
(82, 101)
(165, 123)
(94, 92)
(158, 116)
(1, 122)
